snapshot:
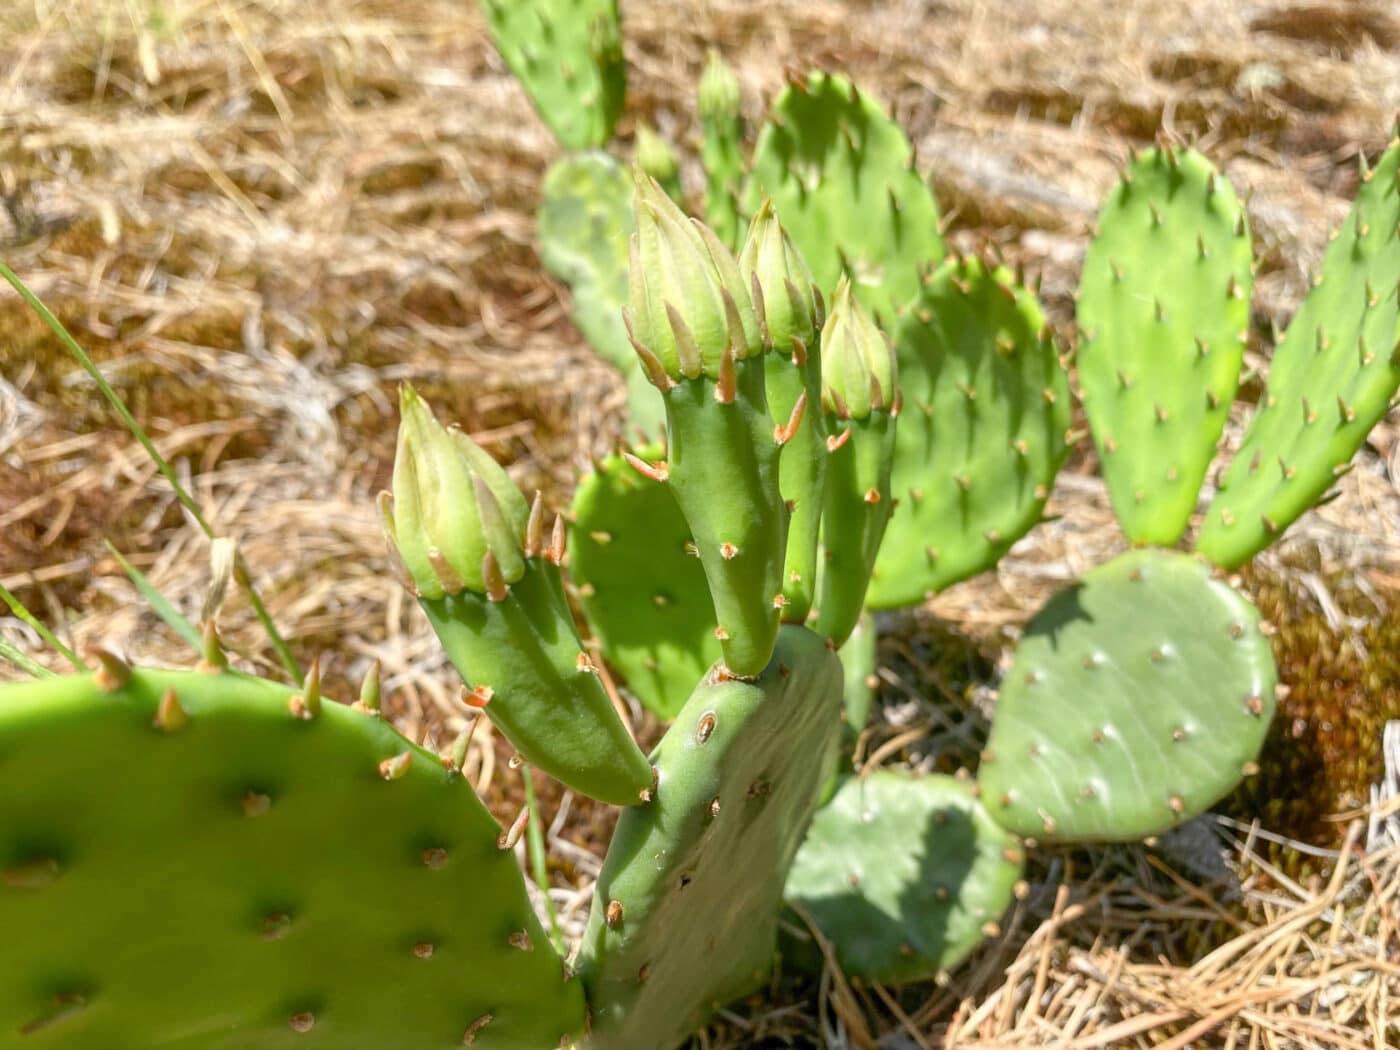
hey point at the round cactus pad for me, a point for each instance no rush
(1138, 697)
(643, 593)
(231, 875)
(686, 909)
(903, 874)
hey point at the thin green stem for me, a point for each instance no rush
(24, 663)
(61, 333)
(17, 607)
(539, 867)
(162, 605)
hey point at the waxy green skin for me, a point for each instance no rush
(584, 221)
(698, 874)
(857, 509)
(1331, 380)
(655, 156)
(199, 887)
(1163, 306)
(902, 873)
(642, 591)
(982, 431)
(723, 465)
(1136, 700)
(842, 177)
(568, 56)
(722, 150)
(548, 702)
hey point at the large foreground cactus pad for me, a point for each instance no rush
(214, 871)
(1137, 699)
(686, 908)
(904, 875)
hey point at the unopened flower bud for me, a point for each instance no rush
(858, 363)
(788, 304)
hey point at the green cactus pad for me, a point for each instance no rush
(584, 222)
(1164, 311)
(1137, 699)
(568, 56)
(686, 909)
(643, 592)
(981, 435)
(841, 174)
(904, 875)
(232, 875)
(1331, 380)
(522, 657)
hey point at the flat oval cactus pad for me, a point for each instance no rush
(1138, 697)
(219, 870)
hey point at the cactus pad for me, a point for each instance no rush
(686, 909)
(215, 870)
(1136, 700)
(643, 591)
(584, 221)
(568, 55)
(842, 177)
(904, 874)
(1331, 380)
(1164, 311)
(982, 433)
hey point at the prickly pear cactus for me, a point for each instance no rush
(1137, 698)
(485, 572)
(685, 913)
(568, 55)
(1330, 381)
(208, 860)
(641, 584)
(721, 149)
(981, 435)
(842, 176)
(584, 221)
(1164, 311)
(657, 157)
(904, 875)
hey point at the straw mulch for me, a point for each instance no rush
(260, 216)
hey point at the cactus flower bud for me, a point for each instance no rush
(719, 89)
(455, 518)
(858, 364)
(788, 304)
(656, 157)
(689, 306)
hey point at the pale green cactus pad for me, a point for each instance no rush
(1164, 311)
(841, 174)
(1137, 699)
(568, 56)
(686, 909)
(640, 583)
(584, 222)
(981, 435)
(904, 875)
(229, 870)
(1331, 380)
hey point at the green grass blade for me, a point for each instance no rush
(158, 602)
(24, 663)
(17, 607)
(61, 333)
(539, 868)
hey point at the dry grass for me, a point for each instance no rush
(259, 216)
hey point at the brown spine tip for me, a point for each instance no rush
(727, 384)
(396, 768)
(784, 433)
(450, 578)
(511, 836)
(170, 716)
(369, 689)
(556, 541)
(112, 671)
(256, 804)
(835, 441)
(520, 940)
(651, 364)
(534, 527)
(584, 664)
(212, 658)
(479, 697)
(474, 1029)
(655, 471)
(303, 1022)
(491, 576)
(614, 914)
(728, 551)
